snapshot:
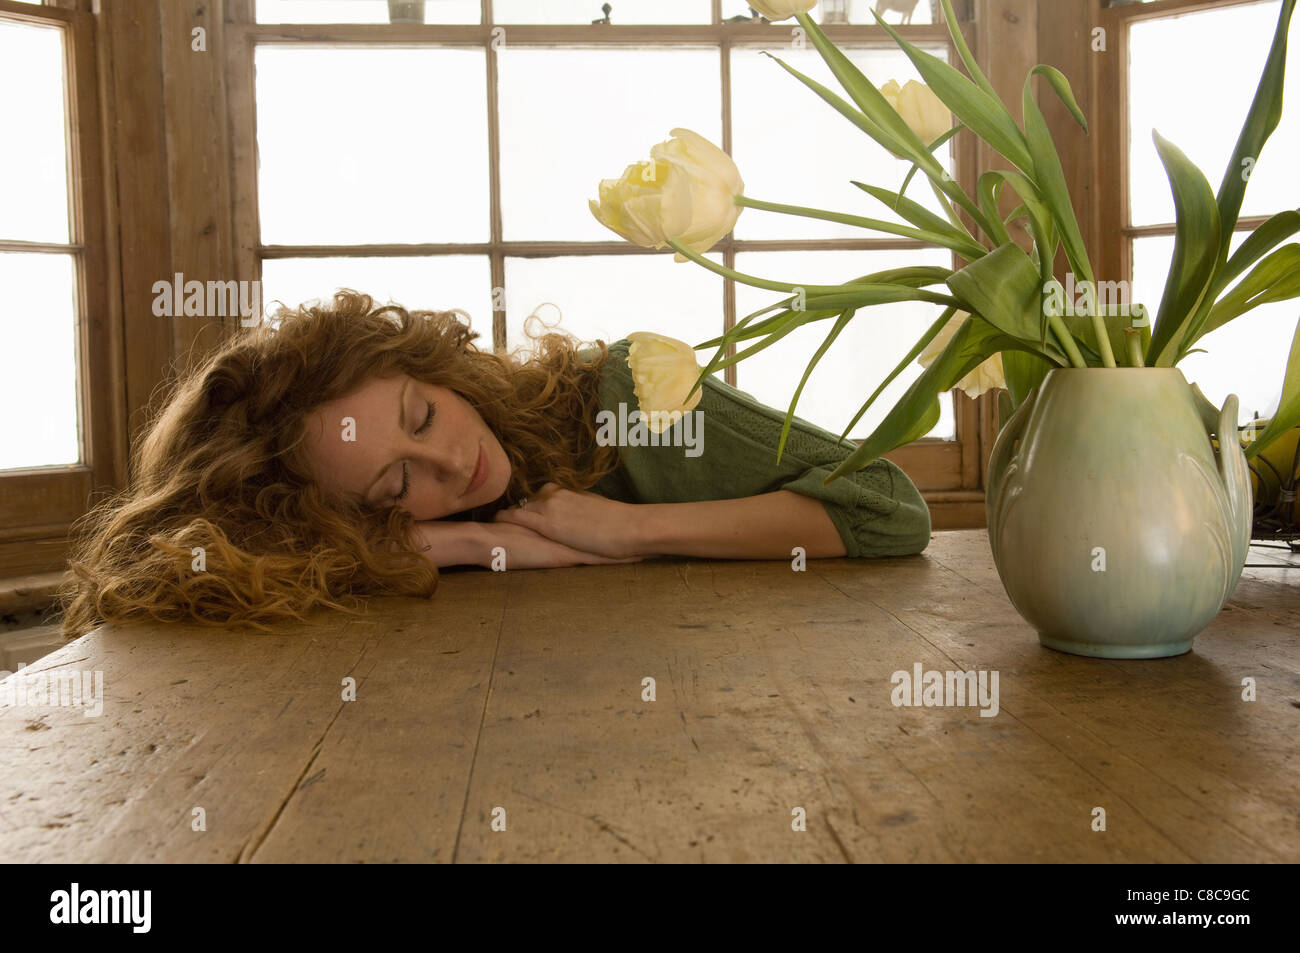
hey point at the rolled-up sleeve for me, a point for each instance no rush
(877, 510)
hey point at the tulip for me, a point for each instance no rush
(781, 9)
(685, 192)
(986, 376)
(663, 370)
(920, 108)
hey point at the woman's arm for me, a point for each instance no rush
(470, 543)
(767, 526)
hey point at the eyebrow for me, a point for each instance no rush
(401, 423)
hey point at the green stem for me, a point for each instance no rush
(1134, 347)
(960, 246)
(795, 288)
(1067, 340)
(1103, 340)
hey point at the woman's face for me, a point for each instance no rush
(409, 444)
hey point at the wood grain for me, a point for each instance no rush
(523, 691)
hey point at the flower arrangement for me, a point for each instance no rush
(1006, 321)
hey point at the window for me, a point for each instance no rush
(1211, 55)
(458, 154)
(60, 417)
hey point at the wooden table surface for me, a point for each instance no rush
(518, 696)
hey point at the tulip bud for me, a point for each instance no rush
(663, 370)
(920, 108)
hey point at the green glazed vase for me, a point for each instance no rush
(1117, 530)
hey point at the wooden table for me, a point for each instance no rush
(521, 693)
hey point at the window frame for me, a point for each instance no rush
(1115, 214)
(38, 505)
(947, 471)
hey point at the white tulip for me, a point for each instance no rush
(685, 192)
(920, 108)
(663, 370)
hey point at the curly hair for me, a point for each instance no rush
(223, 467)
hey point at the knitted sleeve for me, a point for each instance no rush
(729, 451)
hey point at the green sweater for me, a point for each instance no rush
(877, 510)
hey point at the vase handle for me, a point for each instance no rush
(1000, 459)
(1236, 481)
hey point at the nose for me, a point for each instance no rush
(451, 466)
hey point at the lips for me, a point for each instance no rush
(480, 473)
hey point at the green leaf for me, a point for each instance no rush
(796, 320)
(1048, 174)
(947, 238)
(983, 113)
(1276, 229)
(877, 109)
(885, 136)
(902, 189)
(1196, 253)
(967, 58)
(871, 101)
(989, 192)
(917, 411)
(1288, 408)
(789, 414)
(1004, 289)
(820, 306)
(1040, 225)
(930, 334)
(1276, 278)
(1023, 372)
(1061, 86)
(961, 242)
(1265, 113)
(914, 276)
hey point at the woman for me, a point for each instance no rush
(344, 451)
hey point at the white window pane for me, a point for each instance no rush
(795, 149)
(33, 160)
(361, 11)
(438, 283)
(853, 11)
(566, 124)
(371, 145)
(1192, 78)
(622, 12)
(1246, 357)
(610, 296)
(863, 355)
(38, 363)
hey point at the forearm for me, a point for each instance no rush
(767, 526)
(454, 543)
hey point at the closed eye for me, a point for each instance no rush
(428, 419)
(406, 474)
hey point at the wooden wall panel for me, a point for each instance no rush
(133, 104)
(198, 167)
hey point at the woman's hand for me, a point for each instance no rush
(586, 521)
(467, 543)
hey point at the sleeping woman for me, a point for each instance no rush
(346, 450)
